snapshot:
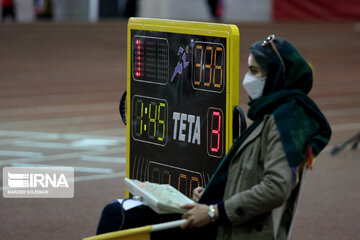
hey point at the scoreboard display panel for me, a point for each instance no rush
(182, 85)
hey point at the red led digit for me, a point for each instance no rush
(216, 132)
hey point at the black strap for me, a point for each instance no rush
(122, 107)
(239, 122)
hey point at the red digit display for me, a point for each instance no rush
(215, 132)
(139, 61)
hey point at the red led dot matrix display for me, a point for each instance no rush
(150, 59)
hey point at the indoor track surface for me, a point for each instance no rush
(60, 86)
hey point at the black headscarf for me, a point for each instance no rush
(299, 120)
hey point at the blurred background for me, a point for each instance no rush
(63, 71)
(204, 10)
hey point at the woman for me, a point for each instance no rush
(258, 178)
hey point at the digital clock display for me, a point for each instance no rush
(149, 119)
(180, 100)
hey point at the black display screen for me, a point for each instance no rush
(178, 107)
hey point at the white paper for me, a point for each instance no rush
(129, 203)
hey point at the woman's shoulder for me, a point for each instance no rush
(269, 120)
(270, 124)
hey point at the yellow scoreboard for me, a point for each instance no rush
(182, 87)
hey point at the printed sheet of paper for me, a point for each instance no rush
(129, 203)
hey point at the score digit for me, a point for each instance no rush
(152, 121)
(215, 132)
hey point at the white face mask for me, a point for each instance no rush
(254, 86)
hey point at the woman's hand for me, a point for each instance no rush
(197, 192)
(197, 216)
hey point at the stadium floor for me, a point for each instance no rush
(59, 90)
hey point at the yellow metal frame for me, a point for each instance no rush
(228, 31)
